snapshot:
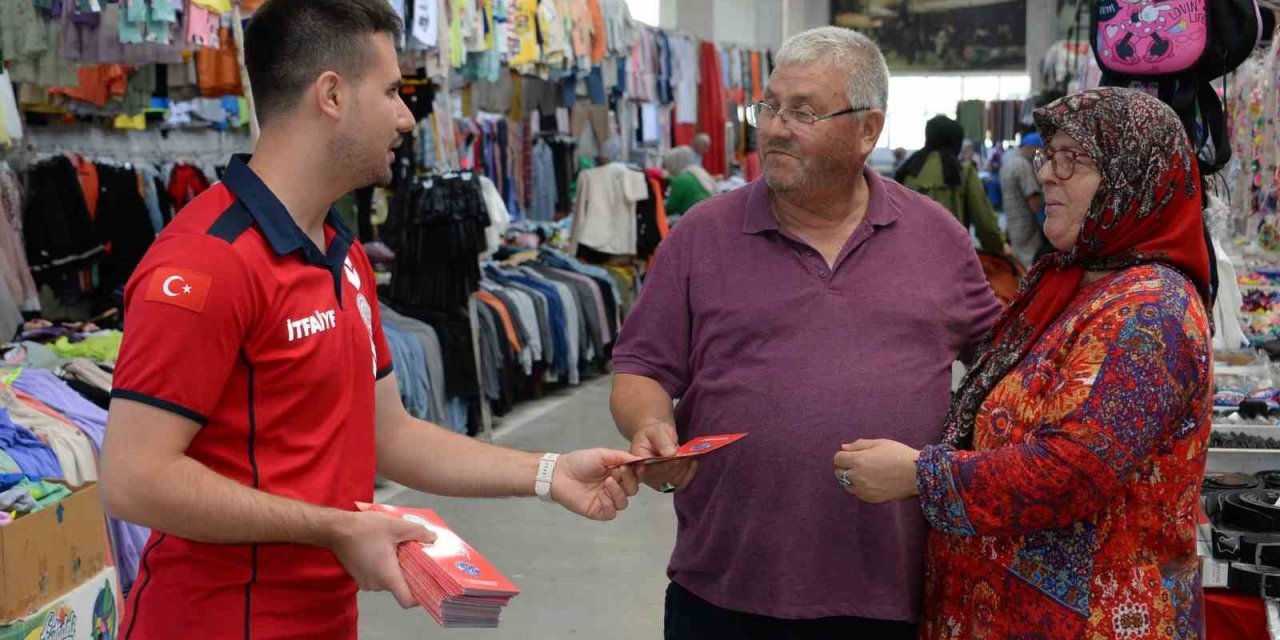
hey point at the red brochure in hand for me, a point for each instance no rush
(451, 580)
(696, 447)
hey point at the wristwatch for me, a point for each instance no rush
(546, 470)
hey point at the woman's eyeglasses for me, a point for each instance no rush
(1064, 161)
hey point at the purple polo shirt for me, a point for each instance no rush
(746, 325)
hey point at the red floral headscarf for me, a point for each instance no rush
(1147, 210)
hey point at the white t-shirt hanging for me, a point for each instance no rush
(9, 114)
(605, 211)
(499, 218)
(426, 33)
(684, 75)
(649, 121)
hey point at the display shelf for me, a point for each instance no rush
(1242, 460)
(1260, 430)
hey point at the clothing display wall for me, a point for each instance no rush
(543, 321)
(78, 228)
(130, 65)
(438, 232)
(610, 77)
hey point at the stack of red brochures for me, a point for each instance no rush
(452, 581)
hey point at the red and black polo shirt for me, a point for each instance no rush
(237, 321)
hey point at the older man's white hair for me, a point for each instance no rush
(844, 49)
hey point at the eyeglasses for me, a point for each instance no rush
(763, 112)
(1064, 161)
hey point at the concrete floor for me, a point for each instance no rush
(579, 579)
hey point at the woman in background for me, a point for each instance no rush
(690, 183)
(937, 172)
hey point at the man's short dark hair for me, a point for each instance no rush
(288, 43)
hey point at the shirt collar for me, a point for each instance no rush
(280, 229)
(759, 219)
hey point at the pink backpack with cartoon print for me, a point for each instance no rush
(1173, 49)
(1149, 37)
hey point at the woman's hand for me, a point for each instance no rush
(878, 471)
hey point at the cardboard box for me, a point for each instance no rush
(90, 612)
(49, 553)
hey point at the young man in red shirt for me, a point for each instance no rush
(255, 397)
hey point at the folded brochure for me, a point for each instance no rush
(696, 447)
(451, 580)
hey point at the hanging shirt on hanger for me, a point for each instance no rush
(581, 34)
(544, 183)
(621, 29)
(605, 212)
(556, 49)
(499, 218)
(684, 74)
(599, 33)
(15, 271)
(522, 38)
(10, 118)
(202, 27)
(424, 30)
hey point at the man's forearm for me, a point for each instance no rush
(187, 499)
(638, 401)
(434, 460)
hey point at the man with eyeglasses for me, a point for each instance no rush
(819, 306)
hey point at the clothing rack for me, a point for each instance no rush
(149, 147)
(486, 414)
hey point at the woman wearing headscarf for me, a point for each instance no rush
(936, 171)
(1063, 501)
(690, 183)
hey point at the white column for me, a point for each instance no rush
(1042, 22)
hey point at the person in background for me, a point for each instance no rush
(701, 146)
(819, 305)
(936, 171)
(997, 159)
(255, 397)
(1023, 198)
(899, 157)
(969, 154)
(1064, 501)
(689, 182)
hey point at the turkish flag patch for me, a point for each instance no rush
(180, 287)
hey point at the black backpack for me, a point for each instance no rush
(1234, 29)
